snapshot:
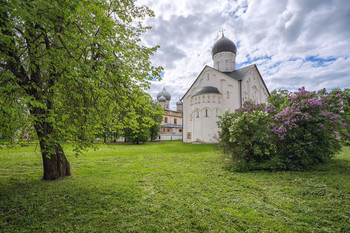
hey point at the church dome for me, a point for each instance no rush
(207, 90)
(165, 94)
(162, 99)
(224, 45)
(179, 103)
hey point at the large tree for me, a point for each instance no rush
(66, 66)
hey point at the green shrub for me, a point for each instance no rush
(244, 135)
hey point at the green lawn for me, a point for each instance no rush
(169, 187)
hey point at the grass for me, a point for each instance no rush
(169, 187)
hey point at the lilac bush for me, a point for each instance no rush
(246, 135)
(307, 126)
(296, 134)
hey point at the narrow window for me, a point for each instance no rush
(188, 135)
(228, 94)
(175, 121)
(197, 114)
(206, 112)
(166, 120)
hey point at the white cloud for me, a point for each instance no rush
(294, 43)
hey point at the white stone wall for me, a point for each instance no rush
(253, 87)
(201, 112)
(224, 61)
(170, 137)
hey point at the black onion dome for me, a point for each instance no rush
(207, 90)
(224, 45)
(162, 99)
(165, 94)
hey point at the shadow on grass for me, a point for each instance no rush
(335, 166)
(28, 203)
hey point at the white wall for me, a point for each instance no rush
(224, 61)
(253, 87)
(204, 128)
(170, 137)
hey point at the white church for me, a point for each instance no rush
(219, 89)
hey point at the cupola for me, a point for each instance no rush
(224, 55)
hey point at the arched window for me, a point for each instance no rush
(197, 114)
(206, 112)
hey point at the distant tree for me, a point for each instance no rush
(157, 117)
(66, 67)
(278, 97)
(344, 113)
(140, 123)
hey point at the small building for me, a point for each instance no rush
(171, 125)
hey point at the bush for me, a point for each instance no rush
(301, 132)
(244, 135)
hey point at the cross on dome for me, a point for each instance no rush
(222, 31)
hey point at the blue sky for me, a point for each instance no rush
(294, 43)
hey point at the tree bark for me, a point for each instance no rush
(55, 162)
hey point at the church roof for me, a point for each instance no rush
(223, 45)
(207, 90)
(239, 74)
(236, 74)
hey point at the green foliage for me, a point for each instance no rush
(278, 97)
(147, 117)
(157, 116)
(244, 135)
(175, 186)
(300, 131)
(344, 113)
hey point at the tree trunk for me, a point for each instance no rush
(55, 162)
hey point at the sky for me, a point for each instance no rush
(294, 43)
